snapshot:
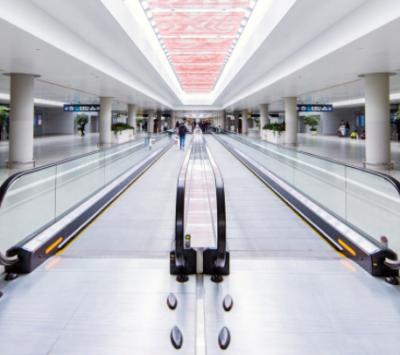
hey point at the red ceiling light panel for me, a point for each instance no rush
(198, 36)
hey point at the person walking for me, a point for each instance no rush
(82, 128)
(182, 131)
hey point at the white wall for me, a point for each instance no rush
(330, 121)
(56, 121)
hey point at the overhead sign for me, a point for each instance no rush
(81, 108)
(314, 108)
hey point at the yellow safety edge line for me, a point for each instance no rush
(347, 247)
(53, 246)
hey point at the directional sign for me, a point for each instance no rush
(314, 108)
(81, 108)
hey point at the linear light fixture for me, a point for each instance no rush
(6, 97)
(361, 101)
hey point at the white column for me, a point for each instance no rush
(150, 123)
(132, 116)
(291, 120)
(236, 122)
(105, 120)
(377, 120)
(173, 119)
(244, 122)
(21, 119)
(264, 116)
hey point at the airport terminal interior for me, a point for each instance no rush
(199, 177)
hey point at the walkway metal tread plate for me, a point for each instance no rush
(95, 307)
(303, 307)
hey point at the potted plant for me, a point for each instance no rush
(274, 132)
(4, 114)
(312, 122)
(122, 132)
(81, 121)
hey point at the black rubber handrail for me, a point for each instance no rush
(390, 179)
(221, 211)
(6, 185)
(180, 261)
(6, 261)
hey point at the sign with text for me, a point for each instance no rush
(314, 108)
(81, 108)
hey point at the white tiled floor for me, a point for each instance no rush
(344, 149)
(50, 149)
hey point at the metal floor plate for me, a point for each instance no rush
(95, 306)
(303, 307)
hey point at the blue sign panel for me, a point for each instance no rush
(81, 108)
(314, 108)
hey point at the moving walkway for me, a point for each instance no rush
(334, 197)
(42, 209)
(200, 210)
(270, 282)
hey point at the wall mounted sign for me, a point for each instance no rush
(314, 108)
(81, 108)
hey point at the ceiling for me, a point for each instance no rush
(186, 56)
(198, 36)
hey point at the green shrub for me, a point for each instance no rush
(4, 113)
(119, 127)
(397, 115)
(276, 127)
(311, 121)
(82, 119)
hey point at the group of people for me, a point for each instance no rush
(181, 130)
(205, 126)
(344, 131)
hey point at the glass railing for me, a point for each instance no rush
(34, 199)
(365, 199)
